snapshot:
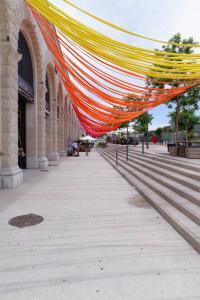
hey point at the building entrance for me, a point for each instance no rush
(25, 96)
(21, 132)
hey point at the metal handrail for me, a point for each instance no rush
(189, 143)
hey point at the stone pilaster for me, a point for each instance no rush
(1, 152)
(62, 151)
(31, 134)
(41, 129)
(68, 123)
(66, 129)
(48, 125)
(77, 128)
(54, 155)
(10, 174)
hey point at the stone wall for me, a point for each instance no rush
(46, 135)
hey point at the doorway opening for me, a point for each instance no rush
(25, 95)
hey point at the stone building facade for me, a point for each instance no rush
(36, 117)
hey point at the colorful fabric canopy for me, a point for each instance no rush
(106, 79)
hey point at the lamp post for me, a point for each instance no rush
(147, 136)
(142, 143)
(147, 133)
(127, 143)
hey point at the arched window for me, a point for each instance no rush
(47, 96)
(25, 70)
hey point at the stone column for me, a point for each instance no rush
(31, 134)
(68, 123)
(41, 136)
(11, 175)
(1, 151)
(48, 125)
(61, 133)
(66, 129)
(77, 128)
(72, 124)
(54, 155)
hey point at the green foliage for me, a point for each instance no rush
(178, 40)
(186, 101)
(191, 96)
(128, 99)
(125, 124)
(158, 131)
(187, 119)
(142, 123)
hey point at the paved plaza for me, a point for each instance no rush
(99, 240)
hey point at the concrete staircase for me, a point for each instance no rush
(171, 186)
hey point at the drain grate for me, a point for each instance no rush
(26, 220)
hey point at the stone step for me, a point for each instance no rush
(185, 226)
(168, 165)
(183, 204)
(170, 182)
(176, 161)
(181, 180)
(170, 160)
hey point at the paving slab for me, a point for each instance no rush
(99, 240)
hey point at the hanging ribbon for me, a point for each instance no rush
(116, 97)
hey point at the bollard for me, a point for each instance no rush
(147, 144)
(127, 143)
(127, 152)
(116, 157)
(142, 146)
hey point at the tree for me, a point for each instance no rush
(187, 120)
(125, 124)
(158, 131)
(188, 100)
(141, 124)
(128, 99)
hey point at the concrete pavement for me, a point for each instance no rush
(99, 240)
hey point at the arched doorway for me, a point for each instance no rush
(25, 95)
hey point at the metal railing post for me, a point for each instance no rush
(147, 137)
(142, 145)
(127, 144)
(116, 157)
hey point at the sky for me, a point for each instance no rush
(153, 18)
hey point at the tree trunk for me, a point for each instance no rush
(147, 136)
(177, 123)
(186, 131)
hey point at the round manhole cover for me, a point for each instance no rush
(26, 220)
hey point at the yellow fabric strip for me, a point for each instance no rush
(139, 60)
(56, 9)
(125, 30)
